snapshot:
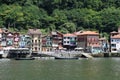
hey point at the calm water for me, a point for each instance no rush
(83, 69)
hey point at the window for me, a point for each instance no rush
(39, 41)
(64, 41)
(35, 41)
(113, 45)
(35, 48)
(113, 49)
(112, 40)
(67, 41)
(73, 42)
(75, 38)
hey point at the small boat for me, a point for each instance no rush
(4, 59)
(30, 58)
(64, 58)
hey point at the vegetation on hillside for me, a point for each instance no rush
(63, 15)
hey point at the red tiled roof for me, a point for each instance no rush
(69, 35)
(114, 32)
(87, 33)
(34, 31)
(116, 36)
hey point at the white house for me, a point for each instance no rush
(115, 43)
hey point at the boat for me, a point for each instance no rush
(30, 58)
(4, 59)
(66, 58)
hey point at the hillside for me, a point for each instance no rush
(63, 15)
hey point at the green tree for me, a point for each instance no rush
(68, 27)
(110, 18)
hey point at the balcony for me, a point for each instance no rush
(36, 43)
(59, 38)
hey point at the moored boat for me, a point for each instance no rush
(30, 58)
(66, 58)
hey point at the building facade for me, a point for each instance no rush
(36, 37)
(25, 41)
(115, 43)
(16, 39)
(46, 43)
(57, 38)
(89, 40)
(104, 44)
(69, 41)
(4, 38)
(9, 39)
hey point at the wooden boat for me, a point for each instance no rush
(30, 58)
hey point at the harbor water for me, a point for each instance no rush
(82, 69)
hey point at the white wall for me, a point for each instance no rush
(117, 43)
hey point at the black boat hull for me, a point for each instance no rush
(24, 58)
(66, 58)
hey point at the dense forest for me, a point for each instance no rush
(63, 15)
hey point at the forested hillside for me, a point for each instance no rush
(62, 15)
